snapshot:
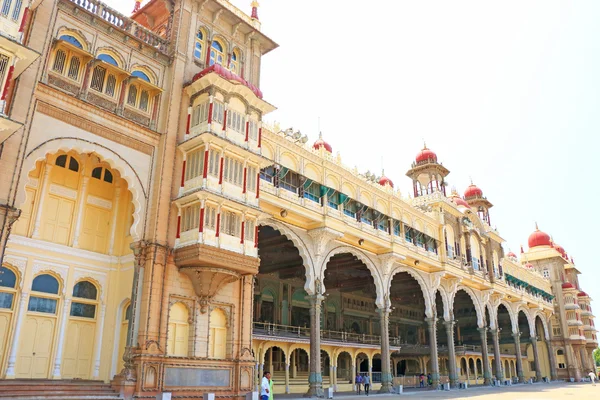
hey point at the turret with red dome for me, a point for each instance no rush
(427, 174)
(320, 143)
(456, 199)
(474, 196)
(538, 238)
(384, 180)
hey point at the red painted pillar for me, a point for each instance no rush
(247, 130)
(11, 71)
(189, 121)
(259, 136)
(210, 110)
(24, 19)
(221, 171)
(242, 234)
(205, 172)
(218, 228)
(225, 119)
(245, 175)
(257, 185)
(178, 226)
(201, 222)
(183, 174)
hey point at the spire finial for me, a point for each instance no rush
(424, 144)
(536, 226)
(138, 5)
(255, 6)
(320, 135)
(471, 179)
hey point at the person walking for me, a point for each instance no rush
(421, 380)
(592, 378)
(265, 386)
(270, 388)
(367, 383)
(358, 381)
(429, 380)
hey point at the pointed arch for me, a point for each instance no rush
(539, 314)
(528, 317)
(302, 248)
(113, 159)
(447, 312)
(377, 278)
(511, 313)
(420, 280)
(478, 306)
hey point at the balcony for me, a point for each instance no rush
(268, 331)
(223, 241)
(101, 11)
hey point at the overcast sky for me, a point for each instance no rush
(506, 93)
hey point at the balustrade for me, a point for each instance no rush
(123, 23)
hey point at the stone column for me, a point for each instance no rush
(487, 375)
(453, 374)
(331, 375)
(44, 189)
(315, 379)
(133, 326)
(520, 373)
(61, 339)
(497, 360)
(536, 359)
(256, 378)
(386, 376)
(111, 251)
(435, 369)
(353, 374)
(334, 378)
(12, 358)
(271, 360)
(98, 349)
(584, 361)
(287, 378)
(80, 210)
(295, 363)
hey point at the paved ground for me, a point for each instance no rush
(538, 391)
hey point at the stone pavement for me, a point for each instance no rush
(538, 391)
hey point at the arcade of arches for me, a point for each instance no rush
(350, 327)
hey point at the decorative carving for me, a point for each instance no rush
(97, 201)
(208, 281)
(63, 191)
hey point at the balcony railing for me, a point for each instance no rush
(123, 23)
(270, 329)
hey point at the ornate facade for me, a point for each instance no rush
(158, 235)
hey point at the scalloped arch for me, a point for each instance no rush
(478, 308)
(513, 322)
(377, 278)
(447, 312)
(420, 280)
(115, 161)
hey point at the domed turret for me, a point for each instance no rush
(582, 294)
(456, 199)
(427, 174)
(426, 155)
(511, 255)
(473, 192)
(321, 143)
(568, 285)
(384, 180)
(539, 238)
(529, 266)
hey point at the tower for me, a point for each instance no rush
(474, 197)
(427, 174)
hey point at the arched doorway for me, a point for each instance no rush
(467, 335)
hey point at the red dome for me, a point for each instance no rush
(539, 238)
(529, 266)
(321, 143)
(582, 294)
(458, 201)
(511, 254)
(426, 155)
(559, 248)
(473, 191)
(568, 285)
(384, 180)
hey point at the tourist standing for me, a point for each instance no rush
(359, 381)
(421, 380)
(593, 378)
(270, 388)
(265, 386)
(367, 383)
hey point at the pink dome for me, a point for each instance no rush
(426, 155)
(458, 201)
(473, 191)
(511, 254)
(384, 180)
(529, 266)
(321, 143)
(539, 238)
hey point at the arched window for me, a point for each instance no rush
(70, 39)
(560, 359)
(217, 345)
(85, 295)
(217, 54)
(109, 59)
(141, 75)
(102, 174)
(234, 63)
(45, 298)
(178, 333)
(8, 285)
(64, 160)
(67, 60)
(199, 46)
(104, 81)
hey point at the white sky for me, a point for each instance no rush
(507, 93)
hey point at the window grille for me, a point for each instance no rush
(98, 78)
(230, 223)
(191, 217)
(210, 217)
(59, 61)
(195, 164)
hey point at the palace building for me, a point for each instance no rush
(158, 235)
